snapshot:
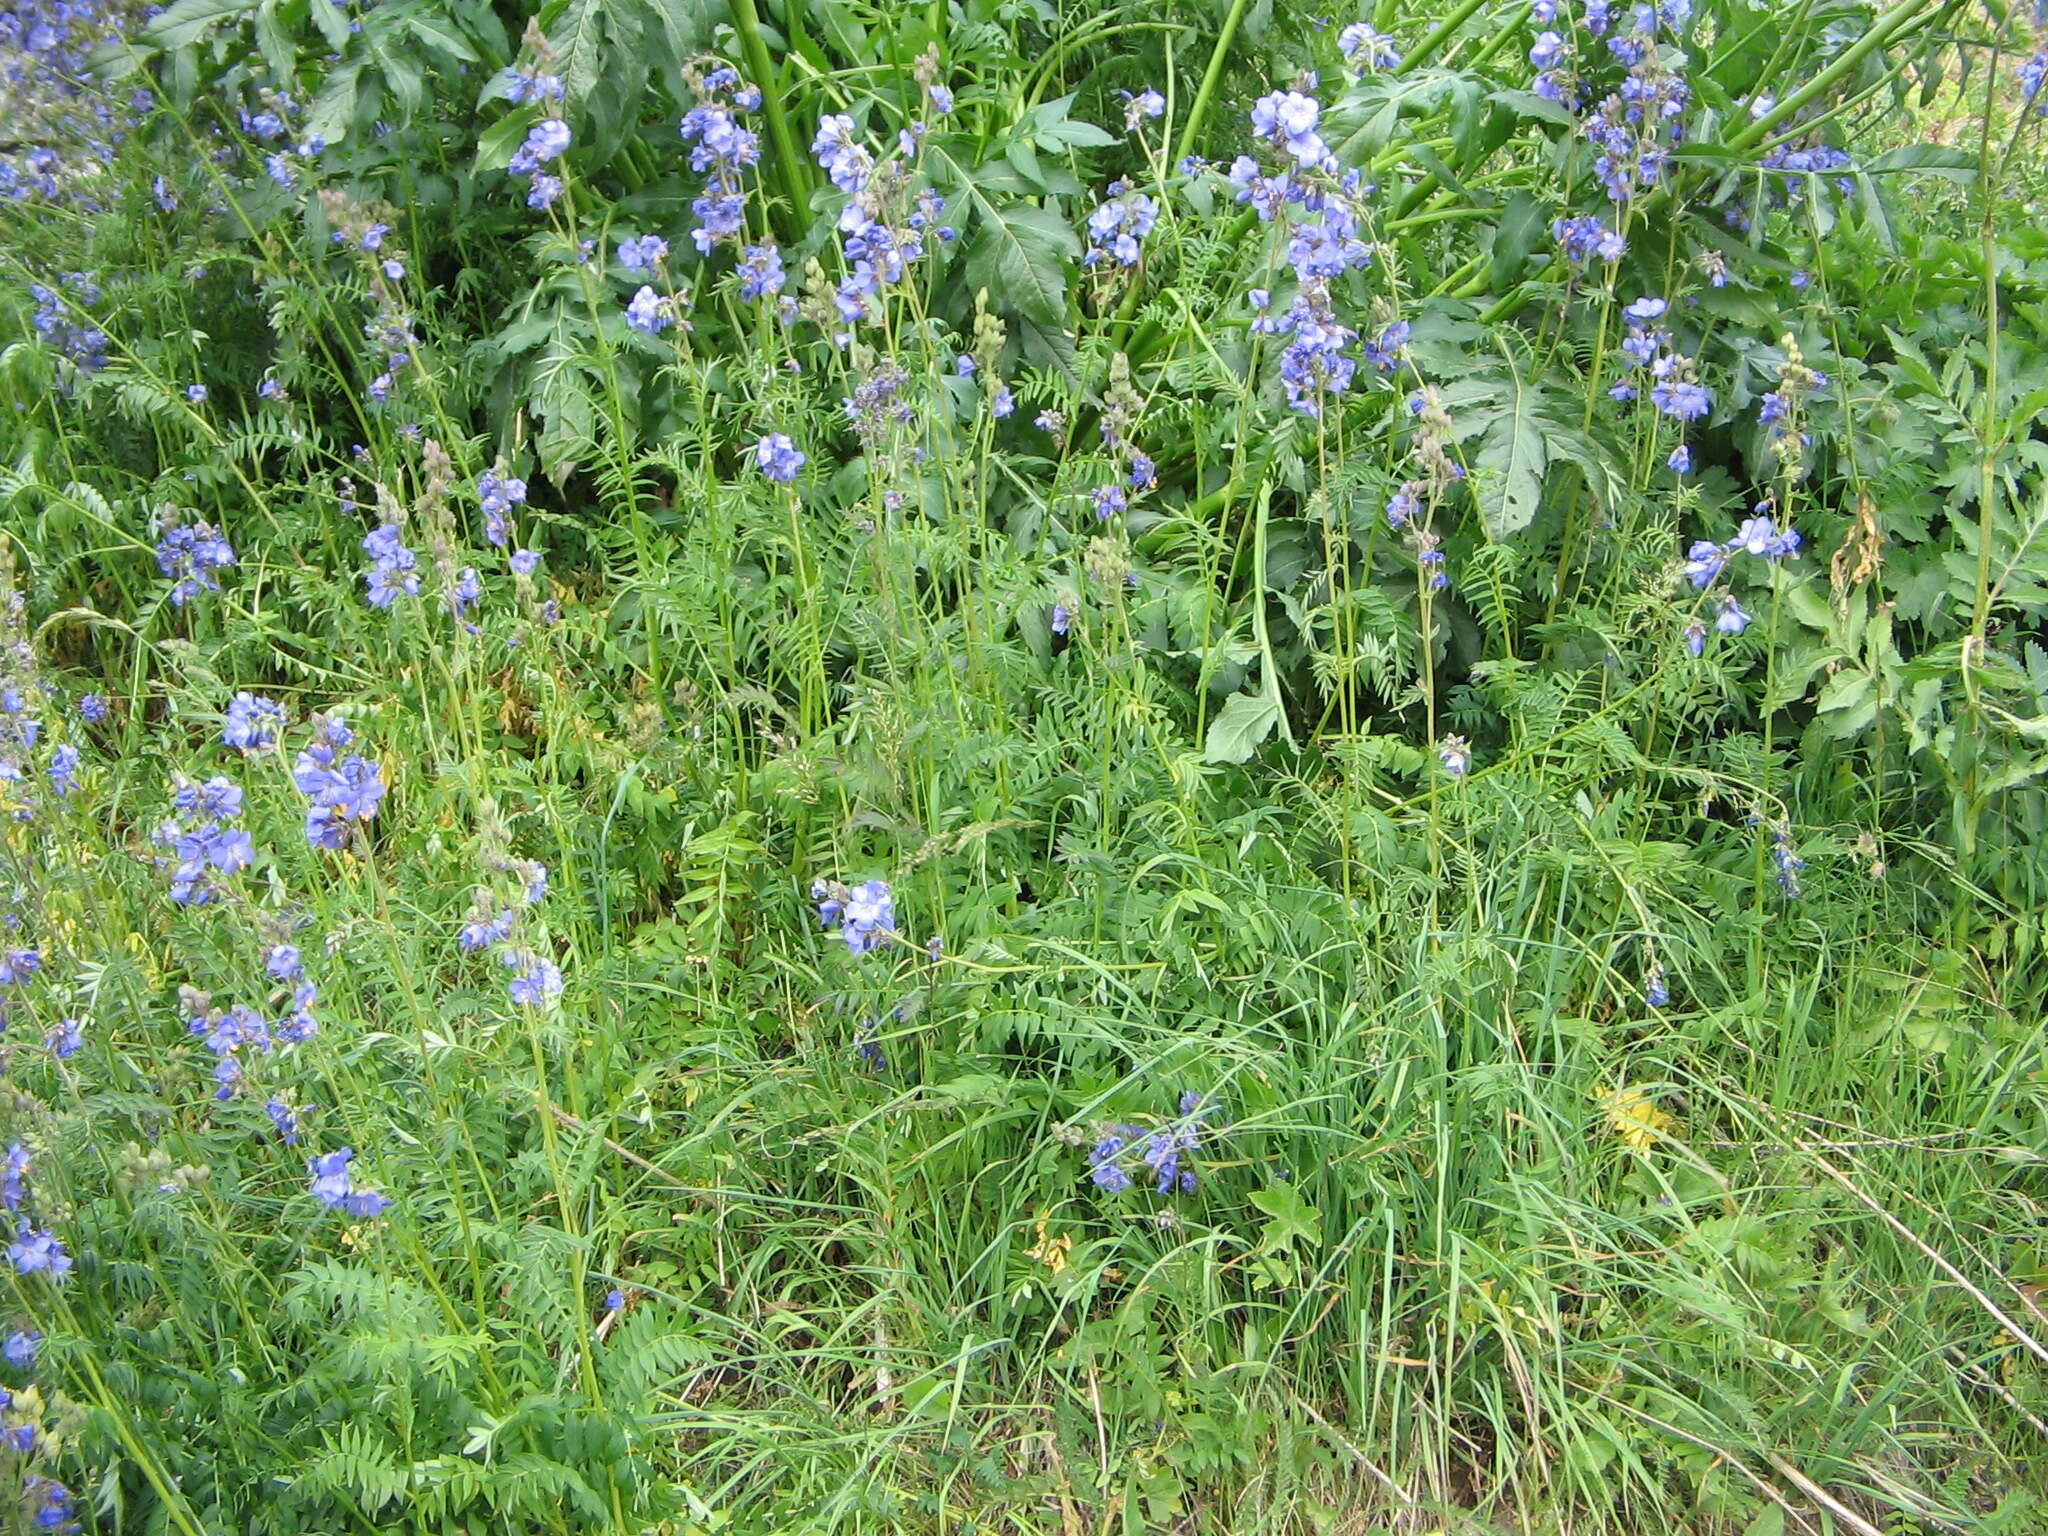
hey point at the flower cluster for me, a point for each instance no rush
(394, 569)
(341, 791)
(884, 223)
(865, 913)
(493, 923)
(65, 119)
(523, 85)
(498, 493)
(1758, 536)
(31, 1251)
(364, 232)
(1674, 390)
(546, 141)
(777, 457)
(1322, 204)
(44, 1504)
(1368, 48)
(1123, 1149)
(204, 839)
(333, 1185)
(225, 1032)
(1785, 861)
(192, 554)
(1117, 226)
(252, 722)
(54, 320)
(722, 150)
(1582, 237)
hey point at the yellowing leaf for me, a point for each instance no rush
(1635, 1118)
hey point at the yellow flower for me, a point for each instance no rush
(1051, 1251)
(1635, 1118)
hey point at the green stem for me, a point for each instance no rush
(1898, 20)
(1433, 44)
(1207, 91)
(796, 181)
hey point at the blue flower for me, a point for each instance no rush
(64, 769)
(190, 554)
(537, 979)
(394, 568)
(1117, 226)
(1062, 617)
(284, 1119)
(1287, 120)
(1757, 535)
(1785, 860)
(1695, 637)
(14, 1176)
(64, 1038)
(482, 932)
(647, 311)
(546, 140)
(525, 561)
(1368, 48)
(196, 393)
(1703, 562)
(1683, 398)
(498, 494)
(34, 1252)
(866, 913)
(1454, 752)
(1731, 620)
(1680, 460)
(615, 1301)
(760, 270)
(638, 254)
(332, 1185)
(778, 458)
(54, 1505)
(93, 708)
(252, 722)
(1585, 237)
(525, 85)
(20, 1349)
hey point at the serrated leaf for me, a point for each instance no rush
(334, 110)
(1513, 456)
(187, 21)
(1518, 233)
(1245, 721)
(1018, 253)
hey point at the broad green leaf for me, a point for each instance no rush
(1019, 253)
(1245, 721)
(1518, 233)
(1512, 458)
(1293, 1217)
(188, 20)
(1940, 159)
(333, 111)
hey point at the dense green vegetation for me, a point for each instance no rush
(1093, 768)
